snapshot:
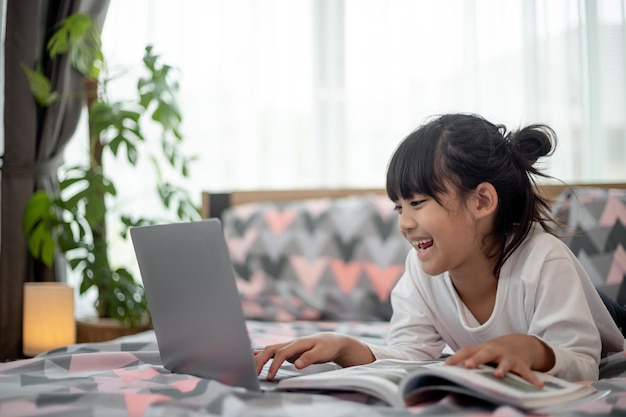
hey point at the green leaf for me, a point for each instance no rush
(37, 208)
(86, 284)
(48, 247)
(40, 87)
(41, 244)
(132, 153)
(75, 263)
(67, 31)
(149, 59)
(68, 182)
(86, 54)
(38, 222)
(80, 36)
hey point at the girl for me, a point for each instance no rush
(487, 276)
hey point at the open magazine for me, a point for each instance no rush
(404, 383)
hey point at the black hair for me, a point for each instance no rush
(465, 150)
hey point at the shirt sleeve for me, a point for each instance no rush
(562, 319)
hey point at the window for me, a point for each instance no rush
(317, 93)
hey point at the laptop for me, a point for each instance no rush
(195, 307)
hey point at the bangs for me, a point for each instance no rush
(416, 166)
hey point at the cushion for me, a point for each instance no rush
(318, 259)
(594, 222)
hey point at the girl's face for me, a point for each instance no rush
(445, 236)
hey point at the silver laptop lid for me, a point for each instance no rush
(192, 297)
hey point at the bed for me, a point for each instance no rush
(125, 377)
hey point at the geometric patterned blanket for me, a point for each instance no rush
(125, 378)
(338, 259)
(594, 228)
(321, 259)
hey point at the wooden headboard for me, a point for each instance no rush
(213, 204)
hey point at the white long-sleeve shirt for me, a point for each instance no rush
(542, 291)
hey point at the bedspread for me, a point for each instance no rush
(125, 377)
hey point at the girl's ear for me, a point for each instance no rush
(486, 200)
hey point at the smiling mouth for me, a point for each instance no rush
(422, 245)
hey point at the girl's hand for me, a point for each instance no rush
(517, 353)
(318, 348)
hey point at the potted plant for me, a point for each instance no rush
(71, 225)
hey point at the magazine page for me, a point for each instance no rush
(380, 379)
(427, 385)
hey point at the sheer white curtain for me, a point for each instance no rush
(312, 93)
(315, 93)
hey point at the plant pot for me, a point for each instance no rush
(93, 330)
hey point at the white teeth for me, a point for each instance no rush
(420, 242)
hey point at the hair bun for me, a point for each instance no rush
(532, 142)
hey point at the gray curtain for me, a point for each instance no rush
(34, 141)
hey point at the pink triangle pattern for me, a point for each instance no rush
(346, 274)
(240, 247)
(252, 288)
(317, 207)
(126, 375)
(618, 267)
(384, 206)
(245, 211)
(137, 404)
(589, 195)
(283, 315)
(383, 279)
(252, 308)
(308, 272)
(614, 211)
(85, 362)
(278, 221)
(309, 313)
(104, 384)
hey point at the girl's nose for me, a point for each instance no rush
(406, 222)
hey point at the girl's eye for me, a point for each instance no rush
(415, 203)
